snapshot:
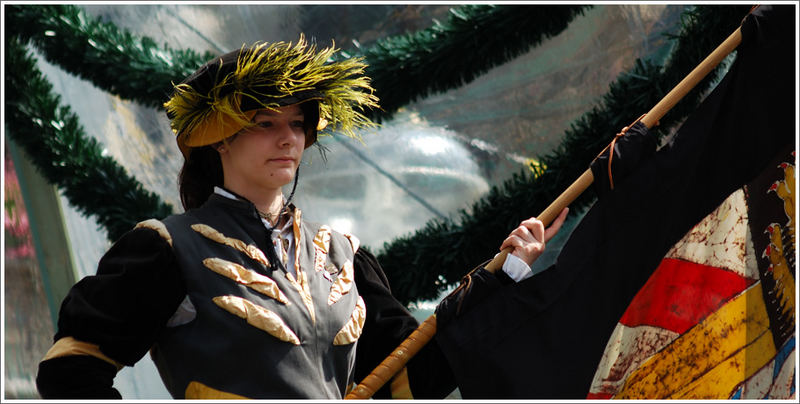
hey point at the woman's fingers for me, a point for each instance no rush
(556, 225)
(526, 240)
(524, 233)
(535, 227)
(529, 238)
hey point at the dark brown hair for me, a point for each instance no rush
(201, 172)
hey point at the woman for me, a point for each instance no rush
(238, 297)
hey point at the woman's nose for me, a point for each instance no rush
(286, 135)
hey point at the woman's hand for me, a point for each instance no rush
(529, 239)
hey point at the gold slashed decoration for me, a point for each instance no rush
(253, 280)
(354, 241)
(352, 330)
(322, 242)
(69, 346)
(301, 282)
(250, 250)
(156, 225)
(258, 317)
(301, 286)
(343, 284)
(199, 391)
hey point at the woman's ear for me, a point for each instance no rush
(220, 147)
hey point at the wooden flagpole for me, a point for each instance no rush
(403, 353)
(651, 118)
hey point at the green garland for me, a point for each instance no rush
(134, 68)
(51, 135)
(447, 56)
(421, 265)
(115, 60)
(403, 68)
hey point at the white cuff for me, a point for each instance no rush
(516, 268)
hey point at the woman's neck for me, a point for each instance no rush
(267, 202)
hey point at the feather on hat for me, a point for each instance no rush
(222, 96)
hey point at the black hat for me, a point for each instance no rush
(222, 96)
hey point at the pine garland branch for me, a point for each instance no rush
(135, 68)
(403, 68)
(443, 250)
(55, 141)
(421, 265)
(113, 59)
(474, 39)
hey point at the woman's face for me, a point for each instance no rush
(265, 156)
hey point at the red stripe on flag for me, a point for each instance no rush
(599, 396)
(681, 293)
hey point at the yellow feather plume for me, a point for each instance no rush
(267, 75)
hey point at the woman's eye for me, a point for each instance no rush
(264, 124)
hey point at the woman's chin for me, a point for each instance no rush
(280, 179)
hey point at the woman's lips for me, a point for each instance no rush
(282, 160)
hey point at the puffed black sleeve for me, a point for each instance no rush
(475, 286)
(388, 323)
(120, 311)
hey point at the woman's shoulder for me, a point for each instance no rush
(162, 229)
(155, 225)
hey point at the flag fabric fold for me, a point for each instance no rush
(545, 337)
(705, 325)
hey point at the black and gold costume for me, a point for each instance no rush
(256, 331)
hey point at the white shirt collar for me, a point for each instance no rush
(220, 191)
(286, 226)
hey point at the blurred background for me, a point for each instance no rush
(435, 157)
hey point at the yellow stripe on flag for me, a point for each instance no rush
(705, 347)
(720, 381)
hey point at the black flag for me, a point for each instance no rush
(544, 337)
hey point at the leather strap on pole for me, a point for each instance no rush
(397, 360)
